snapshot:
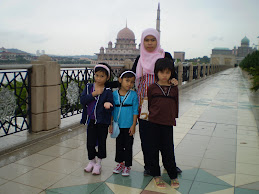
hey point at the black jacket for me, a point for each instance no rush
(102, 115)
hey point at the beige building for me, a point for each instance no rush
(225, 56)
(124, 48)
(180, 55)
(222, 56)
(242, 51)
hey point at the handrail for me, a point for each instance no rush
(84, 65)
(29, 66)
(16, 66)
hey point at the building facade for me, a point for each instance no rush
(179, 55)
(243, 50)
(12, 54)
(226, 56)
(125, 48)
(222, 56)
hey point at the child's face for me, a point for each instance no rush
(164, 76)
(150, 43)
(127, 83)
(100, 77)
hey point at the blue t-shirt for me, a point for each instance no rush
(129, 109)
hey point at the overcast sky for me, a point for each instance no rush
(81, 27)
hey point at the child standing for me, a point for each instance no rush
(98, 99)
(126, 113)
(163, 109)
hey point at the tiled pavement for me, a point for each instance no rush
(216, 143)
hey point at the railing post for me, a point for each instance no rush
(180, 74)
(45, 94)
(203, 69)
(191, 72)
(208, 69)
(199, 71)
(128, 64)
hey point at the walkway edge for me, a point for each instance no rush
(47, 134)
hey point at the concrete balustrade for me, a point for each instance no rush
(199, 71)
(180, 74)
(203, 69)
(191, 72)
(45, 94)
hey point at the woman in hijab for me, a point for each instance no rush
(150, 51)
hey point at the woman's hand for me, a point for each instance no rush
(110, 128)
(174, 82)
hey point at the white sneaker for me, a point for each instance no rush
(89, 167)
(126, 171)
(97, 169)
(118, 168)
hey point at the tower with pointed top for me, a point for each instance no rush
(158, 19)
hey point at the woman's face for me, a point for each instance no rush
(150, 43)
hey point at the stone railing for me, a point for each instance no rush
(46, 81)
(47, 101)
(187, 74)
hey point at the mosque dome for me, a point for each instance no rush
(245, 40)
(126, 33)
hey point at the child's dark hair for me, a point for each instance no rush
(103, 70)
(163, 64)
(128, 74)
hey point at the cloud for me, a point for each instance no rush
(216, 38)
(23, 36)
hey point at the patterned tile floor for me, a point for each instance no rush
(216, 144)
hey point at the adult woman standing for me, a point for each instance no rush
(150, 51)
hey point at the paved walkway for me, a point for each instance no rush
(216, 143)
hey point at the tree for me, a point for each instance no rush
(251, 64)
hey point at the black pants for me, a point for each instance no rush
(145, 137)
(162, 140)
(124, 143)
(96, 133)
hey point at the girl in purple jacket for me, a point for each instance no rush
(97, 101)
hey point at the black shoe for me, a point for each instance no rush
(147, 173)
(178, 170)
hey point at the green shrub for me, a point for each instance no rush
(251, 64)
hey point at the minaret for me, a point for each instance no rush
(158, 19)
